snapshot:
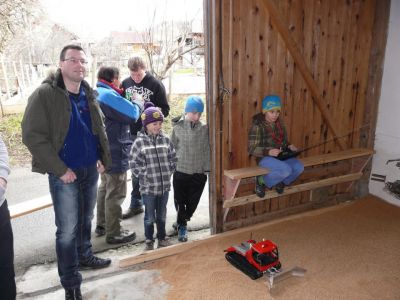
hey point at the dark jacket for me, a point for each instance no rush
(119, 113)
(151, 89)
(46, 121)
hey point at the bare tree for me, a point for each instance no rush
(13, 17)
(165, 44)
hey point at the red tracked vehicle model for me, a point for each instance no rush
(254, 259)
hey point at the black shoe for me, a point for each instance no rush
(123, 237)
(73, 294)
(260, 189)
(280, 187)
(94, 262)
(132, 212)
(100, 230)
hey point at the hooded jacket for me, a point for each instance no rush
(46, 121)
(119, 114)
(192, 146)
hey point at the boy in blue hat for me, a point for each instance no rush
(190, 139)
(267, 138)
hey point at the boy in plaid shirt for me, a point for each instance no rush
(267, 138)
(153, 164)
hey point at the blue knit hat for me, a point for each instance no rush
(151, 114)
(271, 102)
(194, 104)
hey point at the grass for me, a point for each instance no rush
(10, 130)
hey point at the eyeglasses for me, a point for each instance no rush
(76, 61)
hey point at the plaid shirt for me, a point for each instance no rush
(265, 136)
(154, 162)
(192, 146)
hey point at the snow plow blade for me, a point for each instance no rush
(284, 274)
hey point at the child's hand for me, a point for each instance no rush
(292, 147)
(274, 152)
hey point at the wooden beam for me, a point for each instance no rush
(293, 189)
(279, 22)
(307, 162)
(27, 207)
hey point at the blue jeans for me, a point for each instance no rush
(73, 207)
(285, 171)
(155, 211)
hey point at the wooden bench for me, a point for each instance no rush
(27, 207)
(360, 158)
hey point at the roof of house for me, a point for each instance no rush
(127, 37)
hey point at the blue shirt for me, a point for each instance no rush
(80, 147)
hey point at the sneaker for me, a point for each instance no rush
(260, 189)
(124, 237)
(73, 294)
(182, 233)
(100, 230)
(280, 187)
(149, 245)
(132, 212)
(94, 262)
(163, 243)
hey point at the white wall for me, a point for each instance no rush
(387, 138)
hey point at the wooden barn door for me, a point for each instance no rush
(322, 57)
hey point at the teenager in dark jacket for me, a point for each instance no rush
(142, 83)
(119, 114)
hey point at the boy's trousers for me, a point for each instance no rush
(187, 192)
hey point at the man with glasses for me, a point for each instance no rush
(64, 131)
(141, 84)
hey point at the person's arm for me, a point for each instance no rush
(172, 157)
(162, 101)
(118, 109)
(254, 143)
(36, 135)
(207, 151)
(4, 168)
(138, 165)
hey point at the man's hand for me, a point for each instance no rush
(100, 167)
(274, 152)
(293, 148)
(68, 177)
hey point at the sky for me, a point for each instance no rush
(95, 19)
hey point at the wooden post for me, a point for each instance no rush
(3, 67)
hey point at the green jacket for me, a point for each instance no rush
(46, 121)
(264, 136)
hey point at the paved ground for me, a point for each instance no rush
(34, 234)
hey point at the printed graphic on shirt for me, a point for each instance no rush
(144, 92)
